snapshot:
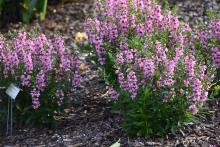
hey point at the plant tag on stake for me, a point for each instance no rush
(13, 91)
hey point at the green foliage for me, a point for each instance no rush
(212, 14)
(166, 5)
(149, 116)
(32, 6)
(216, 91)
(1, 8)
(27, 8)
(42, 7)
(1, 5)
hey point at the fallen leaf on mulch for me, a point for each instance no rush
(67, 110)
(82, 67)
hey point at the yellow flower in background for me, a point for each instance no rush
(81, 36)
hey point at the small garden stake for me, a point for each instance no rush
(12, 93)
(9, 116)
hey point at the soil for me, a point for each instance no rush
(90, 120)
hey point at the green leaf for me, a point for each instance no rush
(28, 9)
(146, 91)
(42, 8)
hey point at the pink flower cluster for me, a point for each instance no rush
(164, 50)
(215, 28)
(216, 56)
(206, 35)
(36, 62)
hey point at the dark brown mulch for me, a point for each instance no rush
(90, 120)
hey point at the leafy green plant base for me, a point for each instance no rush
(149, 116)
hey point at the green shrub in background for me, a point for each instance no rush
(1, 5)
(9, 12)
(31, 7)
(22, 10)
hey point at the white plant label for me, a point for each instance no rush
(13, 91)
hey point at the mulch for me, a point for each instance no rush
(90, 120)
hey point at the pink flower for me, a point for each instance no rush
(76, 80)
(189, 66)
(113, 94)
(161, 54)
(197, 89)
(216, 56)
(140, 30)
(122, 81)
(174, 23)
(35, 98)
(120, 58)
(193, 109)
(26, 79)
(133, 21)
(148, 67)
(132, 84)
(40, 81)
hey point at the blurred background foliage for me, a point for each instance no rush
(9, 11)
(22, 10)
(31, 7)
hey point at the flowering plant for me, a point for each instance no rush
(208, 42)
(209, 38)
(44, 69)
(150, 63)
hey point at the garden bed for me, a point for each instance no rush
(90, 121)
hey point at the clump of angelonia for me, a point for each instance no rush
(152, 48)
(209, 38)
(35, 62)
